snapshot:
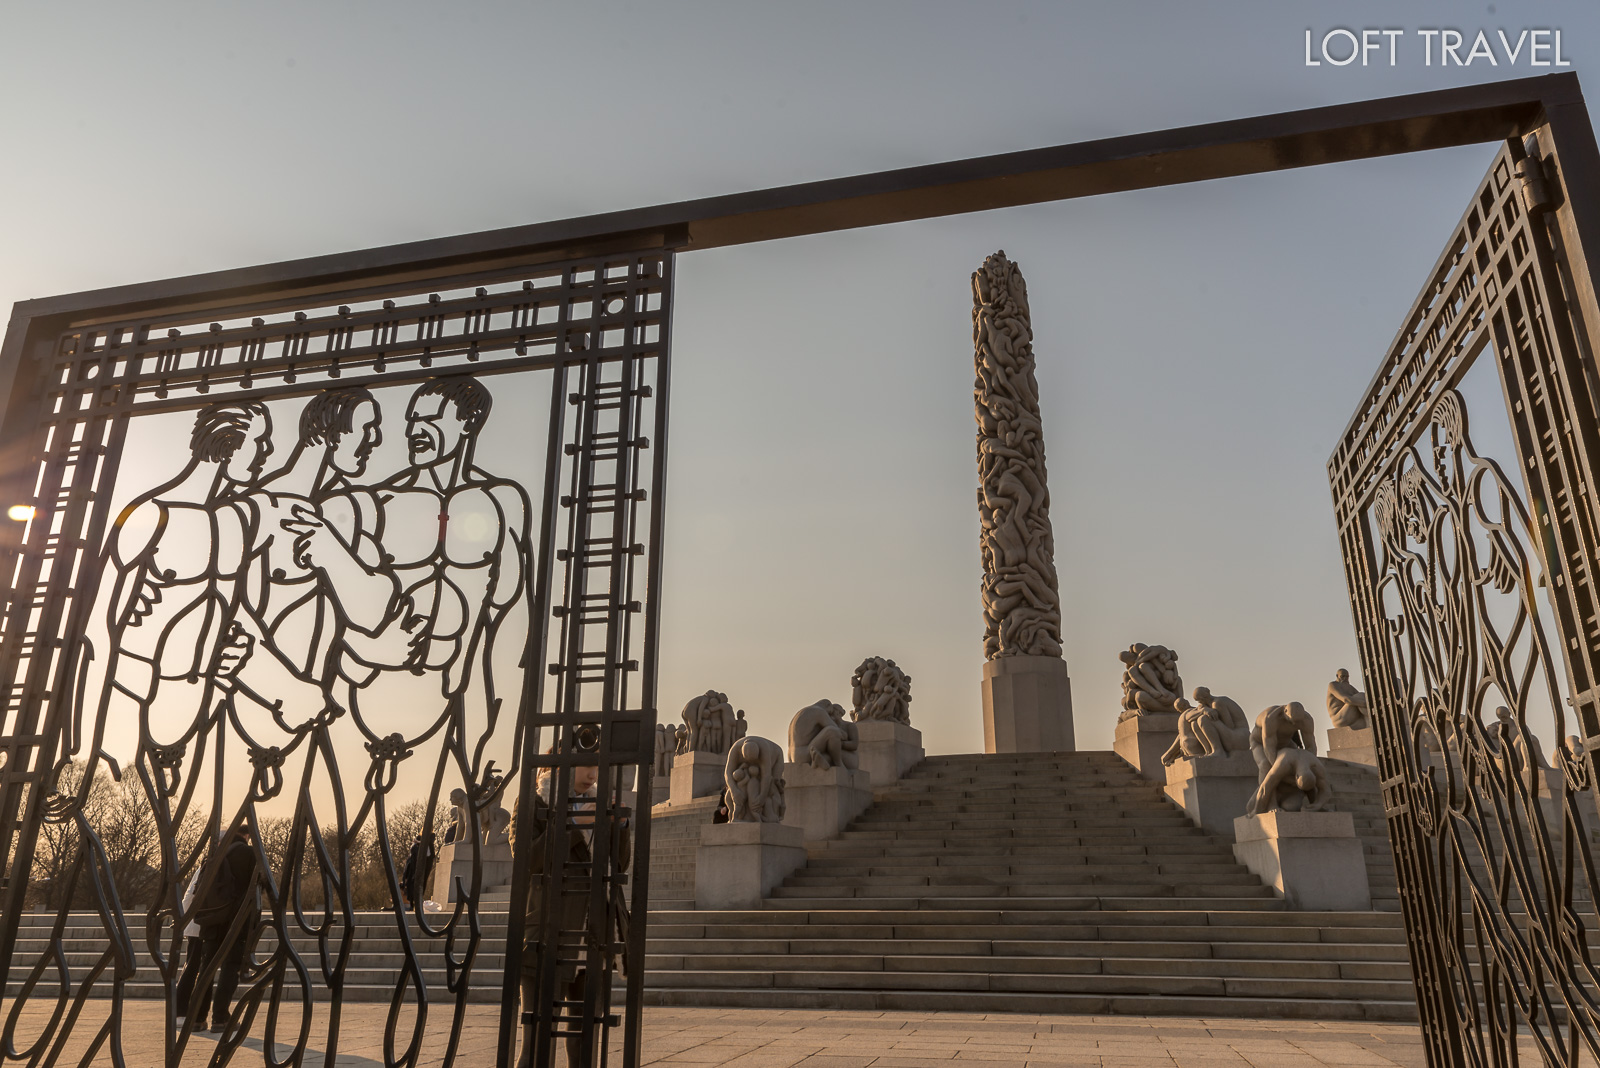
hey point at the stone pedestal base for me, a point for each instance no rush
(660, 789)
(738, 864)
(823, 802)
(1141, 741)
(1356, 746)
(1213, 790)
(695, 775)
(888, 750)
(1027, 705)
(454, 864)
(1312, 859)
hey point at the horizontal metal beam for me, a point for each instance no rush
(1440, 119)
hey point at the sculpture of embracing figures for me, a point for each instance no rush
(1284, 744)
(821, 736)
(754, 777)
(1217, 725)
(881, 691)
(710, 724)
(1150, 681)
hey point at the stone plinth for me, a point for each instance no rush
(660, 789)
(696, 774)
(823, 801)
(738, 864)
(1354, 745)
(888, 749)
(1143, 740)
(1027, 705)
(454, 862)
(1312, 859)
(1213, 790)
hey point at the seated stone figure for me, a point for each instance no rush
(1347, 706)
(821, 736)
(1150, 681)
(1217, 726)
(754, 777)
(1278, 727)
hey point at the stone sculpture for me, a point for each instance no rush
(680, 740)
(881, 691)
(821, 736)
(1217, 725)
(1292, 779)
(1347, 706)
(1021, 600)
(666, 743)
(460, 817)
(754, 777)
(711, 724)
(499, 828)
(740, 726)
(1150, 681)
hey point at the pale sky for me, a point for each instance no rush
(1199, 347)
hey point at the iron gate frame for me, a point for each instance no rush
(1550, 107)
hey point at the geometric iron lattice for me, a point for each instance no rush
(1474, 595)
(295, 583)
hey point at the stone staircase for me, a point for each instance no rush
(1057, 883)
(1356, 791)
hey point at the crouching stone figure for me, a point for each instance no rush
(821, 736)
(754, 774)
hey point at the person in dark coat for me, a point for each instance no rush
(419, 863)
(233, 890)
(570, 977)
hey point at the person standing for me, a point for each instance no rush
(571, 977)
(224, 940)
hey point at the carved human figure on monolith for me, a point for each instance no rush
(1150, 680)
(821, 736)
(1347, 706)
(881, 691)
(1217, 725)
(666, 742)
(754, 777)
(1021, 602)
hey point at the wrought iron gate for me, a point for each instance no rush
(1475, 600)
(260, 623)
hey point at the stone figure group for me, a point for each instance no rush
(881, 692)
(1021, 602)
(821, 736)
(1216, 725)
(1291, 778)
(754, 777)
(1347, 706)
(494, 822)
(1150, 680)
(710, 725)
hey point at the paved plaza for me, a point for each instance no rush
(761, 1038)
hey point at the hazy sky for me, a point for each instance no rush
(1200, 348)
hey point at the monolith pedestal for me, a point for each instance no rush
(1213, 790)
(1027, 705)
(1143, 740)
(697, 774)
(1313, 860)
(739, 864)
(888, 749)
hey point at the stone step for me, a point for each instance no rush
(1098, 1004)
(1175, 968)
(1381, 952)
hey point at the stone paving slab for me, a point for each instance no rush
(761, 1038)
